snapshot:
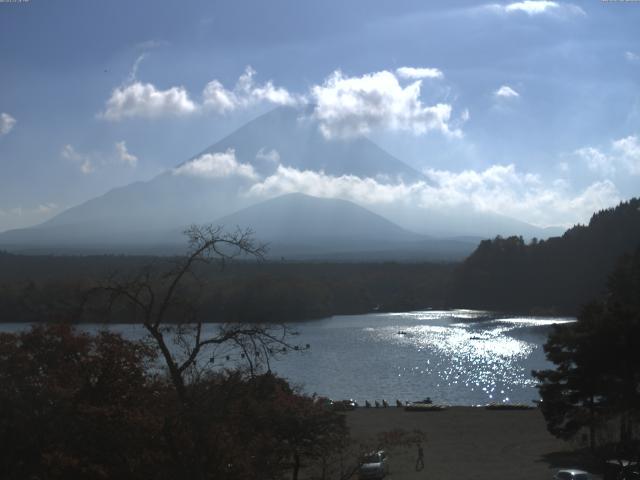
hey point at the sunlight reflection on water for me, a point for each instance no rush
(458, 357)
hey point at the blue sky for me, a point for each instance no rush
(527, 108)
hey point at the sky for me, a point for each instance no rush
(527, 108)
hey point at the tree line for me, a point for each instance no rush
(552, 276)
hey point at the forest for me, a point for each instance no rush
(553, 276)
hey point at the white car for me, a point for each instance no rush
(374, 465)
(572, 474)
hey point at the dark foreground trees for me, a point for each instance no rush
(596, 382)
(76, 406)
(195, 401)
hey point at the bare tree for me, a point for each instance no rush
(168, 309)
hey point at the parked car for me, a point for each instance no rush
(374, 465)
(572, 474)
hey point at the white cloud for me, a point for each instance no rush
(319, 184)
(537, 7)
(531, 7)
(597, 161)
(352, 106)
(344, 106)
(270, 156)
(631, 56)
(133, 74)
(245, 93)
(7, 122)
(89, 162)
(629, 150)
(505, 91)
(216, 165)
(84, 161)
(124, 155)
(624, 155)
(498, 189)
(417, 73)
(145, 100)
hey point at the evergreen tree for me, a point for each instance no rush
(597, 374)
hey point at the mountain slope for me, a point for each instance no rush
(313, 220)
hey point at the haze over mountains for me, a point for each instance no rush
(233, 183)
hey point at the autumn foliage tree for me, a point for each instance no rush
(76, 406)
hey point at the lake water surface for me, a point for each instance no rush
(457, 357)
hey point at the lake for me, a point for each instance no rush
(456, 357)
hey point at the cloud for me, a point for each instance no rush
(597, 161)
(631, 56)
(84, 161)
(319, 184)
(500, 189)
(90, 162)
(624, 155)
(270, 156)
(145, 100)
(418, 73)
(505, 91)
(124, 155)
(352, 106)
(629, 150)
(245, 94)
(344, 106)
(7, 122)
(26, 216)
(537, 7)
(216, 165)
(531, 7)
(133, 74)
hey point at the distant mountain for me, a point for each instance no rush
(301, 226)
(150, 215)
(556, 275)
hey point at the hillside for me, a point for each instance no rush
(556, 275)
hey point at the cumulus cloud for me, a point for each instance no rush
(597, 161)
(418, 73)
(124, 155)
(624, 155)
(270, 156)
(343, 106)
(319, 184)
(84, 161)
(537, 7)
(217, 165)
(352, 106)
(505, 91)
(145, 100)
(629, 150)
(498, 189)
(7, 122)
(245, 93)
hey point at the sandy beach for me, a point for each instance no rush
(469, 443)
